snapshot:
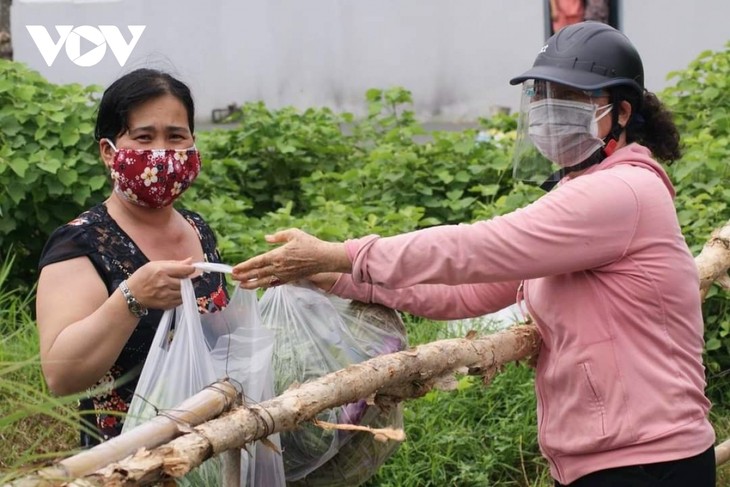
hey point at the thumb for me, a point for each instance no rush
(283, 236)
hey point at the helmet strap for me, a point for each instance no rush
(596, 158)
(611, 140)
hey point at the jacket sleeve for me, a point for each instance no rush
(583, 224)
(433, 301)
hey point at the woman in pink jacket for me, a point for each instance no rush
(599, 261)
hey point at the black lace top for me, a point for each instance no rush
(115, 256)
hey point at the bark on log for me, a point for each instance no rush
(714, 260)
(207, 404)
(422, 365)
(6, 44)
(722, 452)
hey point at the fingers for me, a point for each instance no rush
(157, 284)
(257, 277)
(251, 269)
(254, 272)
(284, 236)
(180, 270)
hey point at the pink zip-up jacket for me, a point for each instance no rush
(613, 290)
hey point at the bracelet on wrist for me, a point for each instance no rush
(135, 307)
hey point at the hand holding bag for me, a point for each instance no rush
(191, 351)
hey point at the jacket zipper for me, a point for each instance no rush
(532, 316)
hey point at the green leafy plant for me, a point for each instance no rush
(448, 175)
(262, 160)
(48, 165)
(700, 101)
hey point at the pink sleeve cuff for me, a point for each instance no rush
(356, 250)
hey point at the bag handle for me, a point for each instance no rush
(213, 267)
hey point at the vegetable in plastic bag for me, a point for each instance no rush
(317, 334)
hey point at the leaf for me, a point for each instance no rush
(464, 147)
(25, 92)
(5, 85)
(70, 137)
(40, 133)
(285, 148)
(67, 177)
(49, 165)
(16, 192)
(445, 176)
(710, 94)
(81, 195)
(713, 344)
(19, 166)
(85, 128)
(58, 117)
(97, 182)
(462, 177)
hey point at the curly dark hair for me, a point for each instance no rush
(652, 125)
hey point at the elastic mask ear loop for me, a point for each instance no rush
(606, 112)
(109, 141)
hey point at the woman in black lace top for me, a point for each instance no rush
(107, 276)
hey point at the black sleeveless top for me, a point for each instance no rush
(115, 256)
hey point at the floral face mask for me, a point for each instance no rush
(153, 178)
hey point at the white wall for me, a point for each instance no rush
(670, 33)
(455, 56)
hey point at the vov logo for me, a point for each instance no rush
(71, 37)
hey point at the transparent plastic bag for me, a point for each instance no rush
(204, 348)
(317, 334)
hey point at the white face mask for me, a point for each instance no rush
(565, 131)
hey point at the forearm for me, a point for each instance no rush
(85, 350)
(433, 301)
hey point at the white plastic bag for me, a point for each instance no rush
(204, 348)
(317, 334)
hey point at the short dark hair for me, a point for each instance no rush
(130, 91)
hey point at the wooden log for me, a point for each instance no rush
(207, 404)
(722, 452)
(284, 413)
(713, 261)
(231, 468)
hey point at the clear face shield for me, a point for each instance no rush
(557, 128)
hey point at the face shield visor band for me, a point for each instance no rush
(557, 128)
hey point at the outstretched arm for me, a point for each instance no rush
(433, 301)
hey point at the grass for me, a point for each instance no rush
(473, 436)
(34, 426)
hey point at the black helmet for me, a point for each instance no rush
(588, 56)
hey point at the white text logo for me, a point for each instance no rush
(71, 37)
